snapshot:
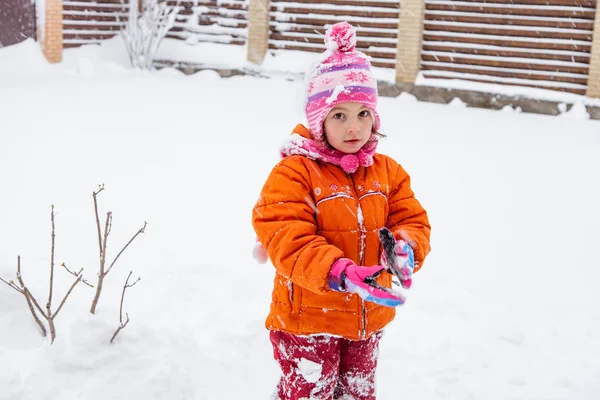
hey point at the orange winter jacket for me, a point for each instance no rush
(311, 213)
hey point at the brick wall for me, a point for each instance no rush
(52, 44)
(258, 30)
(593, 89)
(410, 34)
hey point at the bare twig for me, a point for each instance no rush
(102, 272)
(25, 292)
(136, 281)
(49, 303)
(121, 324)
(62, 303)
(28, 298)
(35, 303)
(100, 188)
(19, 277)
(107, 226)
(123, 297)
(102, 243)
(142, 230)
(12, 285)
(35, 317)
(77, 274)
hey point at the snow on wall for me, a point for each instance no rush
(536, 43)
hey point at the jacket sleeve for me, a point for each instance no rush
(284, 221)
(406, 213)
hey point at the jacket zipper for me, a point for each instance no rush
(362, 244)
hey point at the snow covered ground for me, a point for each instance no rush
(506, 306)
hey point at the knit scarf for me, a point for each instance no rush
(317, 150)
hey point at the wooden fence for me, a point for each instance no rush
(302, 25)
(89, 22)
(537, 43)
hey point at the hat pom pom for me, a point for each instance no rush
(341, 36)
(349, 163)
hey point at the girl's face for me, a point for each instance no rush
(348, 126)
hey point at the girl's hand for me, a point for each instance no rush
(405, 259)
(398, 256)
(346, 276)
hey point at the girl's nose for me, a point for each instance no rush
(353, 126)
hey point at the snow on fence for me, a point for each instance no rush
(301, 25)
(217, 21)
(88, 22)
(536, 43)
(222, 21)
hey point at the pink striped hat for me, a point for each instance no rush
(344, 75)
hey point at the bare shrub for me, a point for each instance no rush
(144, 31)
(32, 303)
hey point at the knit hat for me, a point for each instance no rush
(343, 75)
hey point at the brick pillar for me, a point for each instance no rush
(258, 30)
(52, 40)
(410, 37)
(593, 88)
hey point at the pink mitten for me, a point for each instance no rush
(346, 276)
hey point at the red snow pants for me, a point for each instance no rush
(323, 367)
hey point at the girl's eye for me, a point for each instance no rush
(338, 116)
(364, 113)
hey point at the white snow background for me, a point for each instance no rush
(506, 306)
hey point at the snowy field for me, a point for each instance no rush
(505, 308)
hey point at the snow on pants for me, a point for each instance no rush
(322, 367)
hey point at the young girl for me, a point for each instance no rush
(318, 217)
